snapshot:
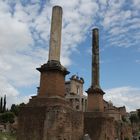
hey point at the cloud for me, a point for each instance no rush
(120, 19)
(136, 3)
(12, 94)
(24, 37)
(128, 96)
(74, 24)
(18, 57)
(25, 30)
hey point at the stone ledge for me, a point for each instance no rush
(93, 90)
(53, 65)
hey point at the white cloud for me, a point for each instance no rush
(20, 46)
(120, 18)
(136, 3)
(104, 2)
(128, 96)
(24, 36)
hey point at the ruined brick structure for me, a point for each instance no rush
(116, 112)
(95, 93)
(102, 120)
(50, 116)
(97, 123)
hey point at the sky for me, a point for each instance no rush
(24, 45)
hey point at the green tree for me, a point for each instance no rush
(15, 109)
(4, 104)
(1, 104)
(139, 113)
(7, 117)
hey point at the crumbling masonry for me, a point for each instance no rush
(49, 116)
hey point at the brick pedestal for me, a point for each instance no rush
(52, 80)
(95, 99)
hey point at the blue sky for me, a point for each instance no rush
(24, 42)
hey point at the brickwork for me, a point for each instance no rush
(52, 79)
(52, 121)
(98, 126)
(31, 123)
(95, 100)
(49, 84)
(123, 130)
(48, 116)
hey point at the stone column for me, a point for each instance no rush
(95, 93)
(48, 116)
(95, 58)
(55, 34)
(52, 79)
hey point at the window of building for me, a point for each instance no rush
(78, 90)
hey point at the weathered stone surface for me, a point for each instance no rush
(123, 130)
(52, 121)
(95, 100)
(52, 79)
(95, 93)
(31, 123)
(99, 126)
(55, 35)
(95, 59)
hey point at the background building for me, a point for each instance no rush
(74, 93)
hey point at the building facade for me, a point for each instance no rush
(74, 93)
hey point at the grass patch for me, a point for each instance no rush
(7, 136)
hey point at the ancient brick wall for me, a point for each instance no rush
(52, 84)
(95, 102)
(98, 126)
(50, 122)
(123, 130)
(77, 125)
(31, 123)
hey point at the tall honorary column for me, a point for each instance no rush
(55, 34)
(95, 59)
(52, 80)
(95, 93)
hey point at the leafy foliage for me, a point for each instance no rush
(139, 113)
(3, 104)
(7, 117)
(16, 108)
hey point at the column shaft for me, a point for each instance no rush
(95, 58)
(55, 35)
